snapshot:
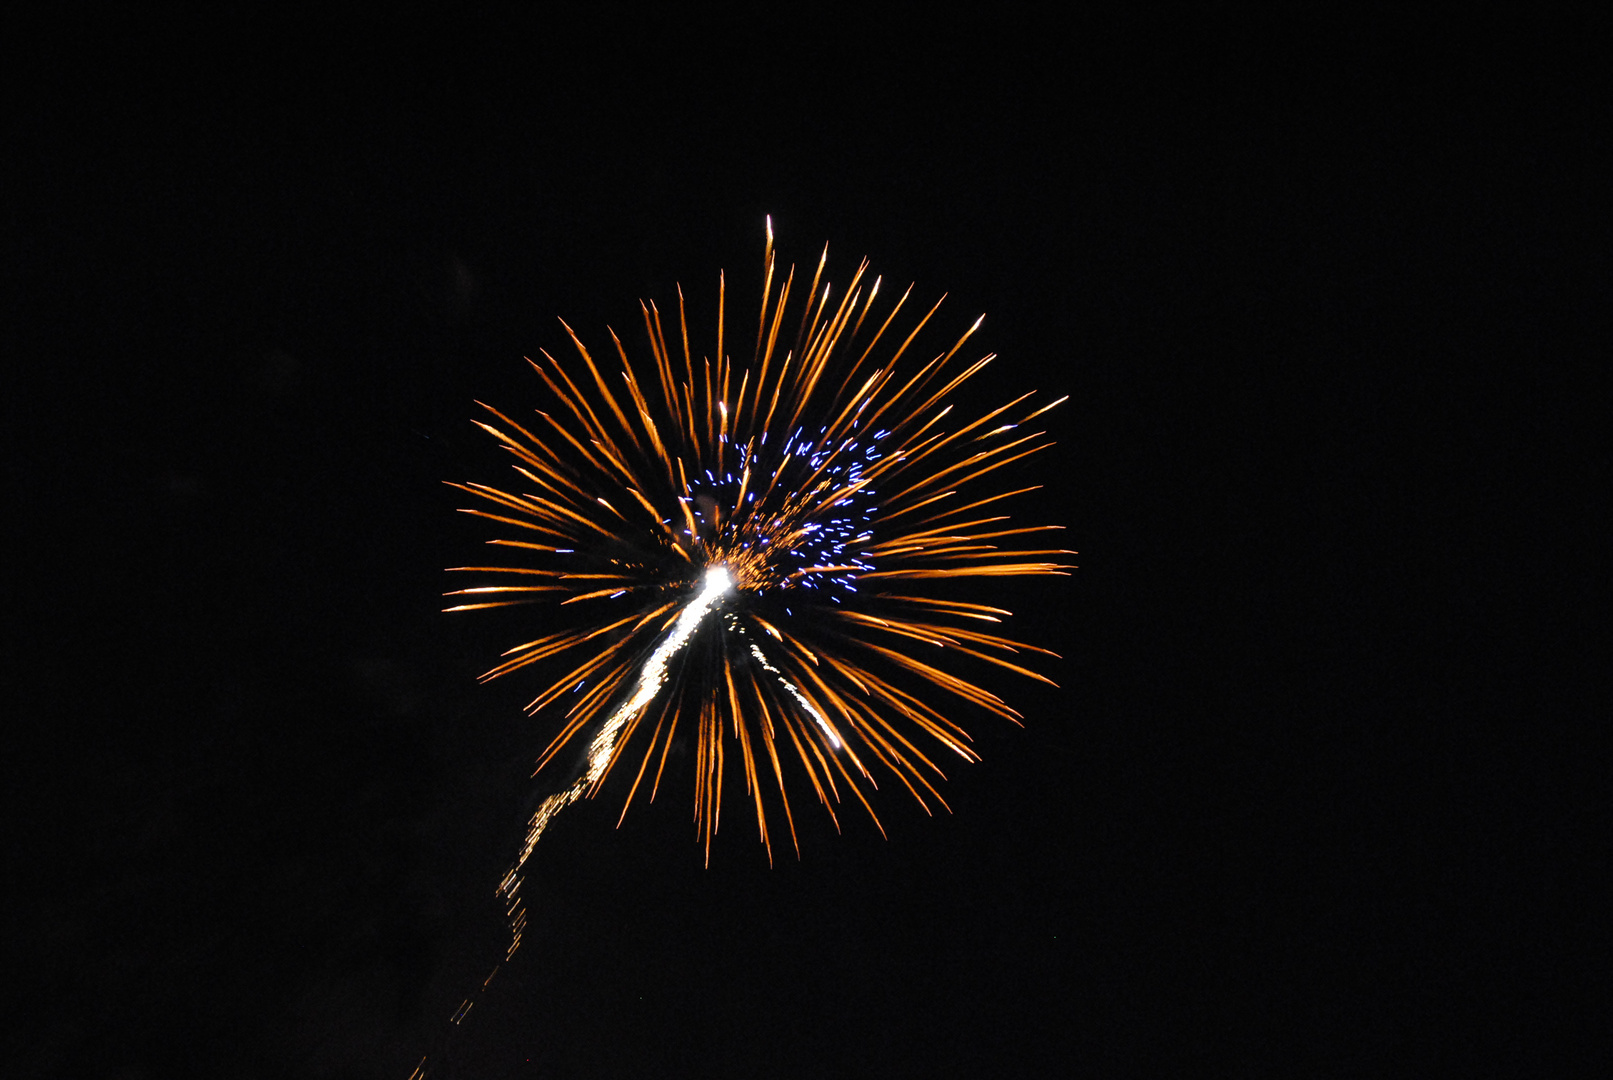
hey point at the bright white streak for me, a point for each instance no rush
(834, 740)
(650, 680)
(653, 675)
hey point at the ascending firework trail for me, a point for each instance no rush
(765, 552)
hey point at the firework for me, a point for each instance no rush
(747, 555)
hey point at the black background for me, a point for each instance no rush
(1292, 811)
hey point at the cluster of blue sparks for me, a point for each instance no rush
(822, 553)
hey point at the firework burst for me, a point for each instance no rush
(746, 555)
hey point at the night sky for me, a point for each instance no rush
(1291, 810)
